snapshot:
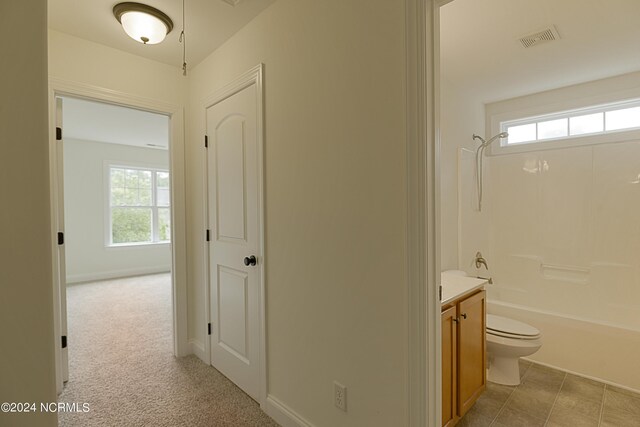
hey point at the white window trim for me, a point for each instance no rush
(601, 95)
(108, 165)
(568, 115)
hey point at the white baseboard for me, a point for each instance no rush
(116, 274)
(282, 414)
(197, 348)
(273, 407)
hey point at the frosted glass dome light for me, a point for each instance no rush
(144, 28)
(143, 23)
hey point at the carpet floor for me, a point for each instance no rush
(122, 365)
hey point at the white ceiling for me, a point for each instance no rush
(209, 23)
(99, 122)
(481, 54)
(480, 51)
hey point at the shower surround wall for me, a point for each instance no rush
(560, 230)
(564, 251)
(566, 234)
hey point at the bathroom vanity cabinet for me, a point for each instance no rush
(463, 355)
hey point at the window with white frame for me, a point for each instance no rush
(597, 120)
(139, 210)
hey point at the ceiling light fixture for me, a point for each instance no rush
(144, 24)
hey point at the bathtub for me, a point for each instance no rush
(607, 353)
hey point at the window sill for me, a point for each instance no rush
(135, 245)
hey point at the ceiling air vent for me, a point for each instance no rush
(543, 36)
(232, 2)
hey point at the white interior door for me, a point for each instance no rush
(235, 263)
(62, 271)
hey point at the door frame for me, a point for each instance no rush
(59, 87)
(424, 365)
(254, 76)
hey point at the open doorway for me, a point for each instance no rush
(174, 117)
(542, 235)
(114, 193)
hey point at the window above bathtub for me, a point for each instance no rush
(598, 120)
(585, 114)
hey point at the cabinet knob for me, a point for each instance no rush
(455, 319)
(464, 315)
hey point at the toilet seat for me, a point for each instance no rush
(509, 328)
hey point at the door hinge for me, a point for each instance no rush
(58, 134)
(209, 328)
(207, 235)
(440, 292)
(64, 341)
(60, 238)
(206, 141)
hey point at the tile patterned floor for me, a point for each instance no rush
(552, 398)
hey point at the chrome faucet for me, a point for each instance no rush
(481, 261)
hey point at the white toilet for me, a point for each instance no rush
(507, 341)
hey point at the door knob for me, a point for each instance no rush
(250, 260)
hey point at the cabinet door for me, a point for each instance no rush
(449, 346)
(471, 351)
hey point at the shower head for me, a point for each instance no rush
(490, 140)
(493, 138)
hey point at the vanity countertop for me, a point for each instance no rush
(454, 286)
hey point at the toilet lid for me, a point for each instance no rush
(505, 327)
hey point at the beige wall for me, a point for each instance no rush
(81, 61)
(26, 304)
(335, 202)
(335, 192)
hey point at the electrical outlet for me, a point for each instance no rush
(340, 396)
